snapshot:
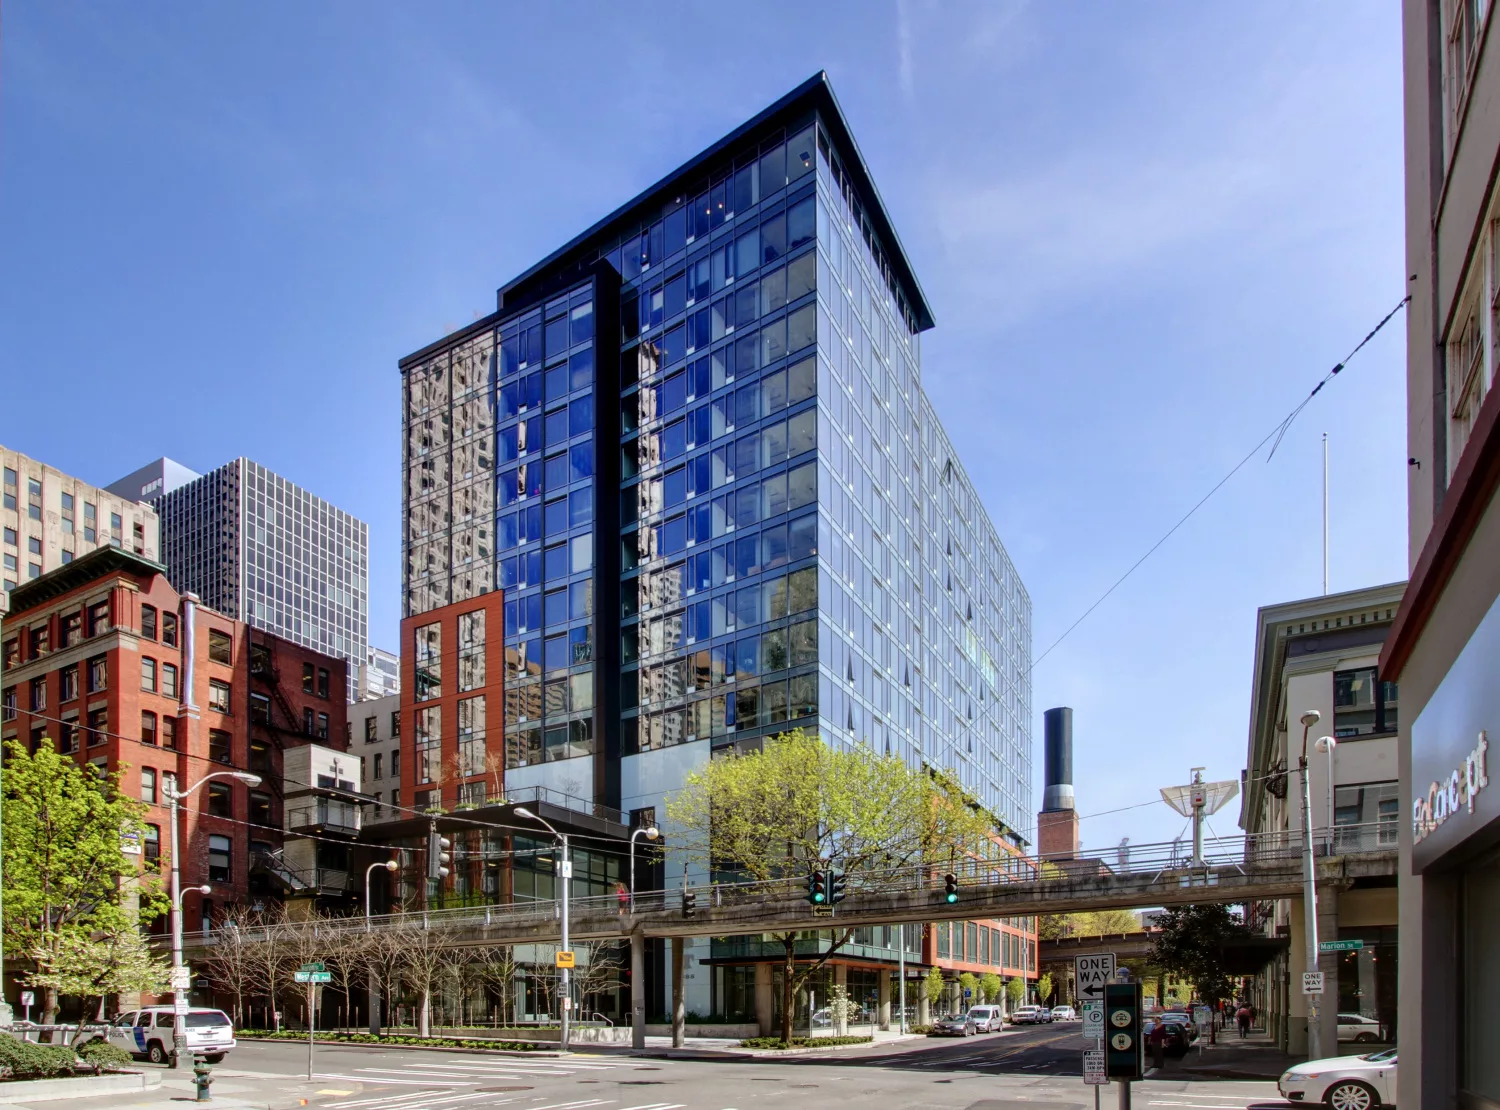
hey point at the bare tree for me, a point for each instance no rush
(385, 959)
(348, 957)
(601, 972)
(428, 953)
(268, 956)
(496, 970)
(230, 963)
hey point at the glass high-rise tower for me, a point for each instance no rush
(693, 448)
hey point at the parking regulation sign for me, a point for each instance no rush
(1093, 1067)
(1093, 1023)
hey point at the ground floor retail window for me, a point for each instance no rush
(1367, 986)
(1480, 978)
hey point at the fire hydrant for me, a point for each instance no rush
(202, 1079)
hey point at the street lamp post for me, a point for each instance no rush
(374, 991)
(1326, 744)
(650, 834)
(174, 797)
(1310, 891)
(565, 876)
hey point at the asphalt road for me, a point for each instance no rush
(1035, 1068)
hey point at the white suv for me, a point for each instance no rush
(148, 1033)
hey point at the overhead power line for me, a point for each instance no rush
(1277, 434)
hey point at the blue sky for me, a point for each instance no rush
(1146, 230)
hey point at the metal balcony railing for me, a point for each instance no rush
(1170, 863)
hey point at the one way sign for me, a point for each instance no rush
(1092, 973)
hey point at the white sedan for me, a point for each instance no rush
(1344, 1082)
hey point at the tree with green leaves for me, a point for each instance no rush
(1044, 986)
(69, 880)
(775, 813)
(932, 985)
(1015, 991)
(95, 965)
(1191, 944)
(968, 987)
(991, 986)
(1090, 923)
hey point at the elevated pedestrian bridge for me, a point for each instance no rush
(1232, 870)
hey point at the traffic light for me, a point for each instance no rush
(689, 902)
(1123, 1055)
(817, 888)
(950, 888)
(438, 856)
(836, 881)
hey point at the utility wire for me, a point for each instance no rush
(1277, 434)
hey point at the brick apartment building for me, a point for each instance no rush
(97, 656)
(452, 704)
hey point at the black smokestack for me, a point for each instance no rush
(1058, 759)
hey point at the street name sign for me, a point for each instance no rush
(312, 977)
(1092, 973)
(566, 959)
(313, 965)
(1312, 982)
(1093, 1066)
(1340, 945)
(1093, 1023)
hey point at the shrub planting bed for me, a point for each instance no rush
(802, 1042)
(393, 1039)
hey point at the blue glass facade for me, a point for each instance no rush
(693, 448)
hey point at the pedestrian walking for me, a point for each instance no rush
(1242, 1017)
(623, 896)
(1157, 1039)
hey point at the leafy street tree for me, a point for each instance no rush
(1015, 990)
(93, 966)
(1044, 987)
(68, 877)
(991, 986)
(968, 986)
(773, 813)
(1191, 944)
(932, 985)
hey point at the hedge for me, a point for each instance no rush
(24, 1060)
(102, 1054)
(802, 1042)
(367, 1038)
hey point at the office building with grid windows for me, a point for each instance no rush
(264, 550)
(693, 449)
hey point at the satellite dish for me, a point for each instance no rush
(1209, 797)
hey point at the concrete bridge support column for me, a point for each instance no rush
(924, 1008)
(637, 991)
(764, 1009)
(679, 1007)
(1328, 964)
(883, 1000)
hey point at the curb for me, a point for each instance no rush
(78, 1086)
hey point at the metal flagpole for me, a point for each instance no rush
(1325, 514)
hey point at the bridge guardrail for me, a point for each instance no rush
(1173, 857)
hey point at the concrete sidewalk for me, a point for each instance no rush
(1252, 1057)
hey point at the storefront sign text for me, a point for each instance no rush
(1444, 799)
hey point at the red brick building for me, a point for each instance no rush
(98, 655)
(453, 704)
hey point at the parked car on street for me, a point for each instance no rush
(958, 1025)
(1064, 1013)
(1358, 1029)
(148, 1033)
(1343, 1082)
(987, 1019)
(1179, 1037)
(1027, 1015)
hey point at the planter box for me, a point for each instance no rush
(80, 1086)
(736, 1032)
